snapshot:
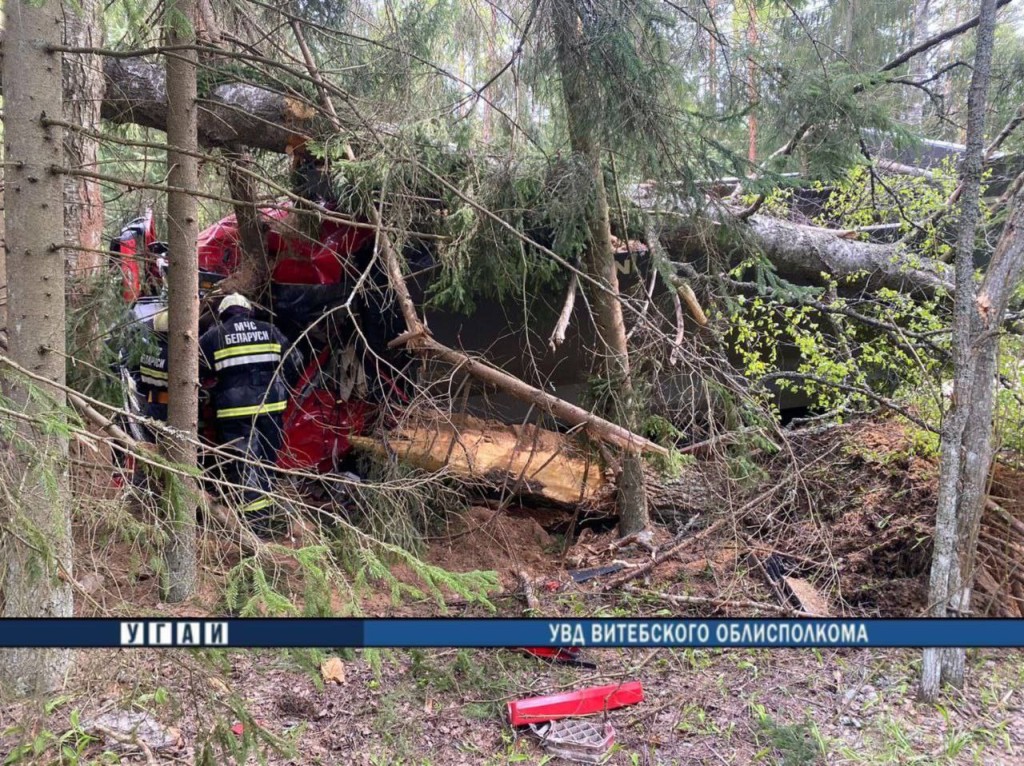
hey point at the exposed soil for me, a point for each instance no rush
(849, 512)
(506, 541)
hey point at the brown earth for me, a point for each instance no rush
(848, 511)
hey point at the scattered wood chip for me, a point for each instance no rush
(91, 583)
(810, 600)
(333, 670)
(528, 593)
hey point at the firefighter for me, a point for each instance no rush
(246, 361)
(152, 374)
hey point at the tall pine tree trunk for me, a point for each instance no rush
(3, 266)
(35, 560)
(600, 255)
(965, 450)
(84, 88)
(183, 297)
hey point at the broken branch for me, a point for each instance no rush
(668, 553)
(532, 604)
(719, 603)
(558, 334)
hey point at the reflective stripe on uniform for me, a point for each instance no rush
(235, 361)
(249, 348)
(257, 505)
(154, 382)
(258, 409)
(153, 372)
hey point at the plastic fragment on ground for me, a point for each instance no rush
(572, 704)
(126, 727)
(576, 740)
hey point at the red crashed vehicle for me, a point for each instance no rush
(347, 374)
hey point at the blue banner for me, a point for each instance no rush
(400, 633)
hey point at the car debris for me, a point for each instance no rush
(576, 740)
(561, 655)
(574, 704)
(123, 729)
(582, 575)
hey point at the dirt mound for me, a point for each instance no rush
(853, 511)
(505, 541)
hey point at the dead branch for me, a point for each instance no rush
(254, 269)
(596, 426)
(690, 298)
(558, 334)
(718, 603)
(532, 604)
(126, 739)
(677, 341)
(936, 39)
(662, 557)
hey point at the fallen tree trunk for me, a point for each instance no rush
(805, 253)
(808, 252)
(535, 465)
(237, 113)
(525, 461)
(232, 113)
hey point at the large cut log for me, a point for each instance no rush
(231, 113)
(810, 251)
(526, 461)
(798, 252)
(538, 466)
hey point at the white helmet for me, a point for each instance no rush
(235, 299)
(160, 321)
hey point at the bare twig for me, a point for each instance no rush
(718, 603)
(532, 604)
(666, 554)
(126, 739)
(558, 334)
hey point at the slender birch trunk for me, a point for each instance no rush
(965, 450)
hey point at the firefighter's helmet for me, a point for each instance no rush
(235, 299)
(160, 321)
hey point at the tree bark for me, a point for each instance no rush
(36, 541)
(4, 293)
(804, 253)
(83, 96)
(182, 298)
(577, 83)
(230, 114)
(253, 273)
(965, 448)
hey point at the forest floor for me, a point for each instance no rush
(854, 527)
